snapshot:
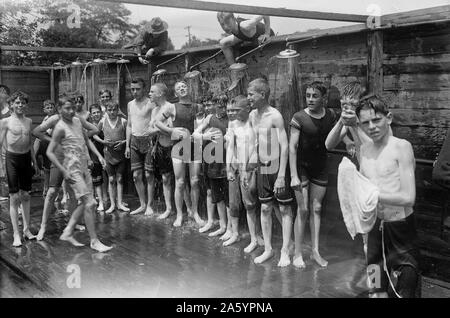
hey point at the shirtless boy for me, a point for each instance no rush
(162, 147)
(182, 115)
(20, 160)
(138, 144)
(69, 135)
(241, 170)
(389, 163)
(273, 188)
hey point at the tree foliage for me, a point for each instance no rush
(196, 42)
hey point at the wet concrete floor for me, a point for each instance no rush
(152, 259)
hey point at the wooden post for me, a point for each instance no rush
(375, 62)
(52, 85)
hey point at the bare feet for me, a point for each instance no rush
(28, 235)
(164, 215)
(149, 211)
(260, 240)
(233, 239)
(69, 238)
(41, 233)
(178, 222)
(284, 258)
(111, 209)
(263, 257)
(319, 260)
(17, 241)
(298, 261)
(138, 210)
(100, 207)
(123, 207)
(198, 219)
(218, 232)
(206, 227)
(251, 247)
(226, 236)
(99, 246)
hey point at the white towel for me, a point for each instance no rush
(358, 198)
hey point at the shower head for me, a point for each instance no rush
(286, 54)
(191, 74)
(122, 61)
(77, 62)
(98, 60)
(159, 72)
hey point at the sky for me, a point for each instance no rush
(204, 23)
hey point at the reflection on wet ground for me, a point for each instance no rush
(152, 259)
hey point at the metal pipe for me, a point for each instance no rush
(205, 60)
(259, 47)
(172, 59)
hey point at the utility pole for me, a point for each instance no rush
(188, 28)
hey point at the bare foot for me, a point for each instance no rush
(123, 207)
(206, 227)
(198, 219)
(220, 231)
(17, 241)
(138, 210)
(260, 240)
(164, 215)
(149, 211)
(298, 261)
(251, 247)
(319, 260)
(40, 235)
(178, 222)
(70, 239)
(100, 208)
(263, 257)
(80, 227)
(28, 235)
(226, 236)
(233, 239)
(99, 246)
(284, 258)
(110, 210)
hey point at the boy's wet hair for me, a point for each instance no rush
(103, 91)
(4, 90)
(48, 102)
(113, 105)
(223, 16)
(261, 85)
(221, 99)
(62, 99)
(78, 97)
(377, 104)
(240, 101)
(354, 90)
(207, 98)
(18, 94)
(162, 88)
(318, 86)
(138, 80)
(180, 82)
(95, 106)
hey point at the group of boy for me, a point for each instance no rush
(252, 162)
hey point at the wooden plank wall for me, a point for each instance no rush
(35, 83)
